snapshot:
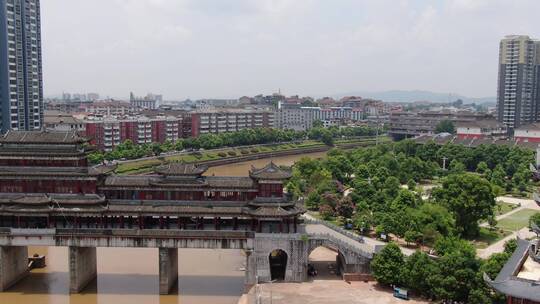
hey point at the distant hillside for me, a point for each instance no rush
(411, 96)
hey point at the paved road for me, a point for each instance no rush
(324, 292)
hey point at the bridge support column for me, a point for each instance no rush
(168, 269)
(13, 265)
(82, 267)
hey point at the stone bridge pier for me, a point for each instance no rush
(82, 267)
(13, 265)
(168, 269)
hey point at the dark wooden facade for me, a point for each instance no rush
(45, 182)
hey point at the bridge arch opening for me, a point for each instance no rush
(278, 264)
(324, 263)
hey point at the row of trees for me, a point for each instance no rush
(456, 276)
(379, 202)
(129, 150)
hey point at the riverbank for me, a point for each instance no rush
(224, 156)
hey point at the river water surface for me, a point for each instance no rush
(130, 276)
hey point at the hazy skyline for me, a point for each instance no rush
(205, 48)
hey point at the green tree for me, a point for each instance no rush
(391, 187)
(447, 245)
(498, 176)
(411, 185)
(535, 218)
(510, 246)
(363, 221)
(417, 270)
(96, 157)
(482, 167)
(387, 266)
(455, 274)
(469, 197)
(404, 199)
(520, 180)
(327, 138)
(494, 264)
(412, 236)
(313, 200)
(317, 123)
(457, 167)
(445, 126)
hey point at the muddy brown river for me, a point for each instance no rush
(130, 276)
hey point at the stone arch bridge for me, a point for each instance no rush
(354, 254)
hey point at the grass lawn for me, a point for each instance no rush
(503, 208)
(488, 237)
(517, 220)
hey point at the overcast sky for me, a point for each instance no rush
(230, 48)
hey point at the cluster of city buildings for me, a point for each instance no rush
(79, 97)
(350, 109)
(153, 126)
(517, 112)
(109, 123)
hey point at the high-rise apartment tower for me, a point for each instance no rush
(518, 94)
(21, 87)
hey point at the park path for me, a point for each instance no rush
(523, 233)
(523, 204)
(498, 246)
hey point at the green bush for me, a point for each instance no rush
(231, 153)
(254, 150)
(244, 151)
(222, 154)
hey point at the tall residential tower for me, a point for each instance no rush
(21, 88)
(518, 96)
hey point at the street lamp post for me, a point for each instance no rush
(444, 159)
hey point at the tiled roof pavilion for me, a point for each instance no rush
(520, 277)
(270, 172)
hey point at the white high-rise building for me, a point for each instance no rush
(21, 85)
(518, 94)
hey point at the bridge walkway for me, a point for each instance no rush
(361, 244)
